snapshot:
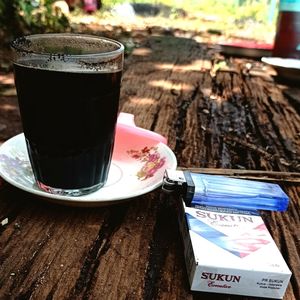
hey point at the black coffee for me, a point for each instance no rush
(69, 123)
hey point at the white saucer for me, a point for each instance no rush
(288, 68)
(137, 173)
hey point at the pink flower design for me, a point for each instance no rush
(151, 159)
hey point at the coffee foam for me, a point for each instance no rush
(66, 64)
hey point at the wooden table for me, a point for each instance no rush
(217, 112)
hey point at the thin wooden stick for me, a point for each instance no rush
(250, 174)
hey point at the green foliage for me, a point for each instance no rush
(238, 10)
(42, 16)
(30, 16)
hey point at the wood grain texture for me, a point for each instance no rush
(215, 114)
(228, 120)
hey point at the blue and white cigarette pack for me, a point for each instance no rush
(231, 251)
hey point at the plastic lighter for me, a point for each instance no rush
(216, 190)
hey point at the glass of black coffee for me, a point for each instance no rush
(68, 88)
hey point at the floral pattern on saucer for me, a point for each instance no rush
(152, 161)
(17, 166)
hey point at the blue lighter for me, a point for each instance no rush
(216, 190)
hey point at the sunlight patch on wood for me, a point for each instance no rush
(164, 66)
(142, 101)
(218, 99)
(168, 85)
(7, 107)
(142, 51)
(196, 65)
(6, 79)
(206, 64)
(206, 91)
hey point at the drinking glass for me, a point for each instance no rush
(68, 88)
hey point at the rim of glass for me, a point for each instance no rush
(116, 52)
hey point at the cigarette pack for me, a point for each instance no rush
(230, 251)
